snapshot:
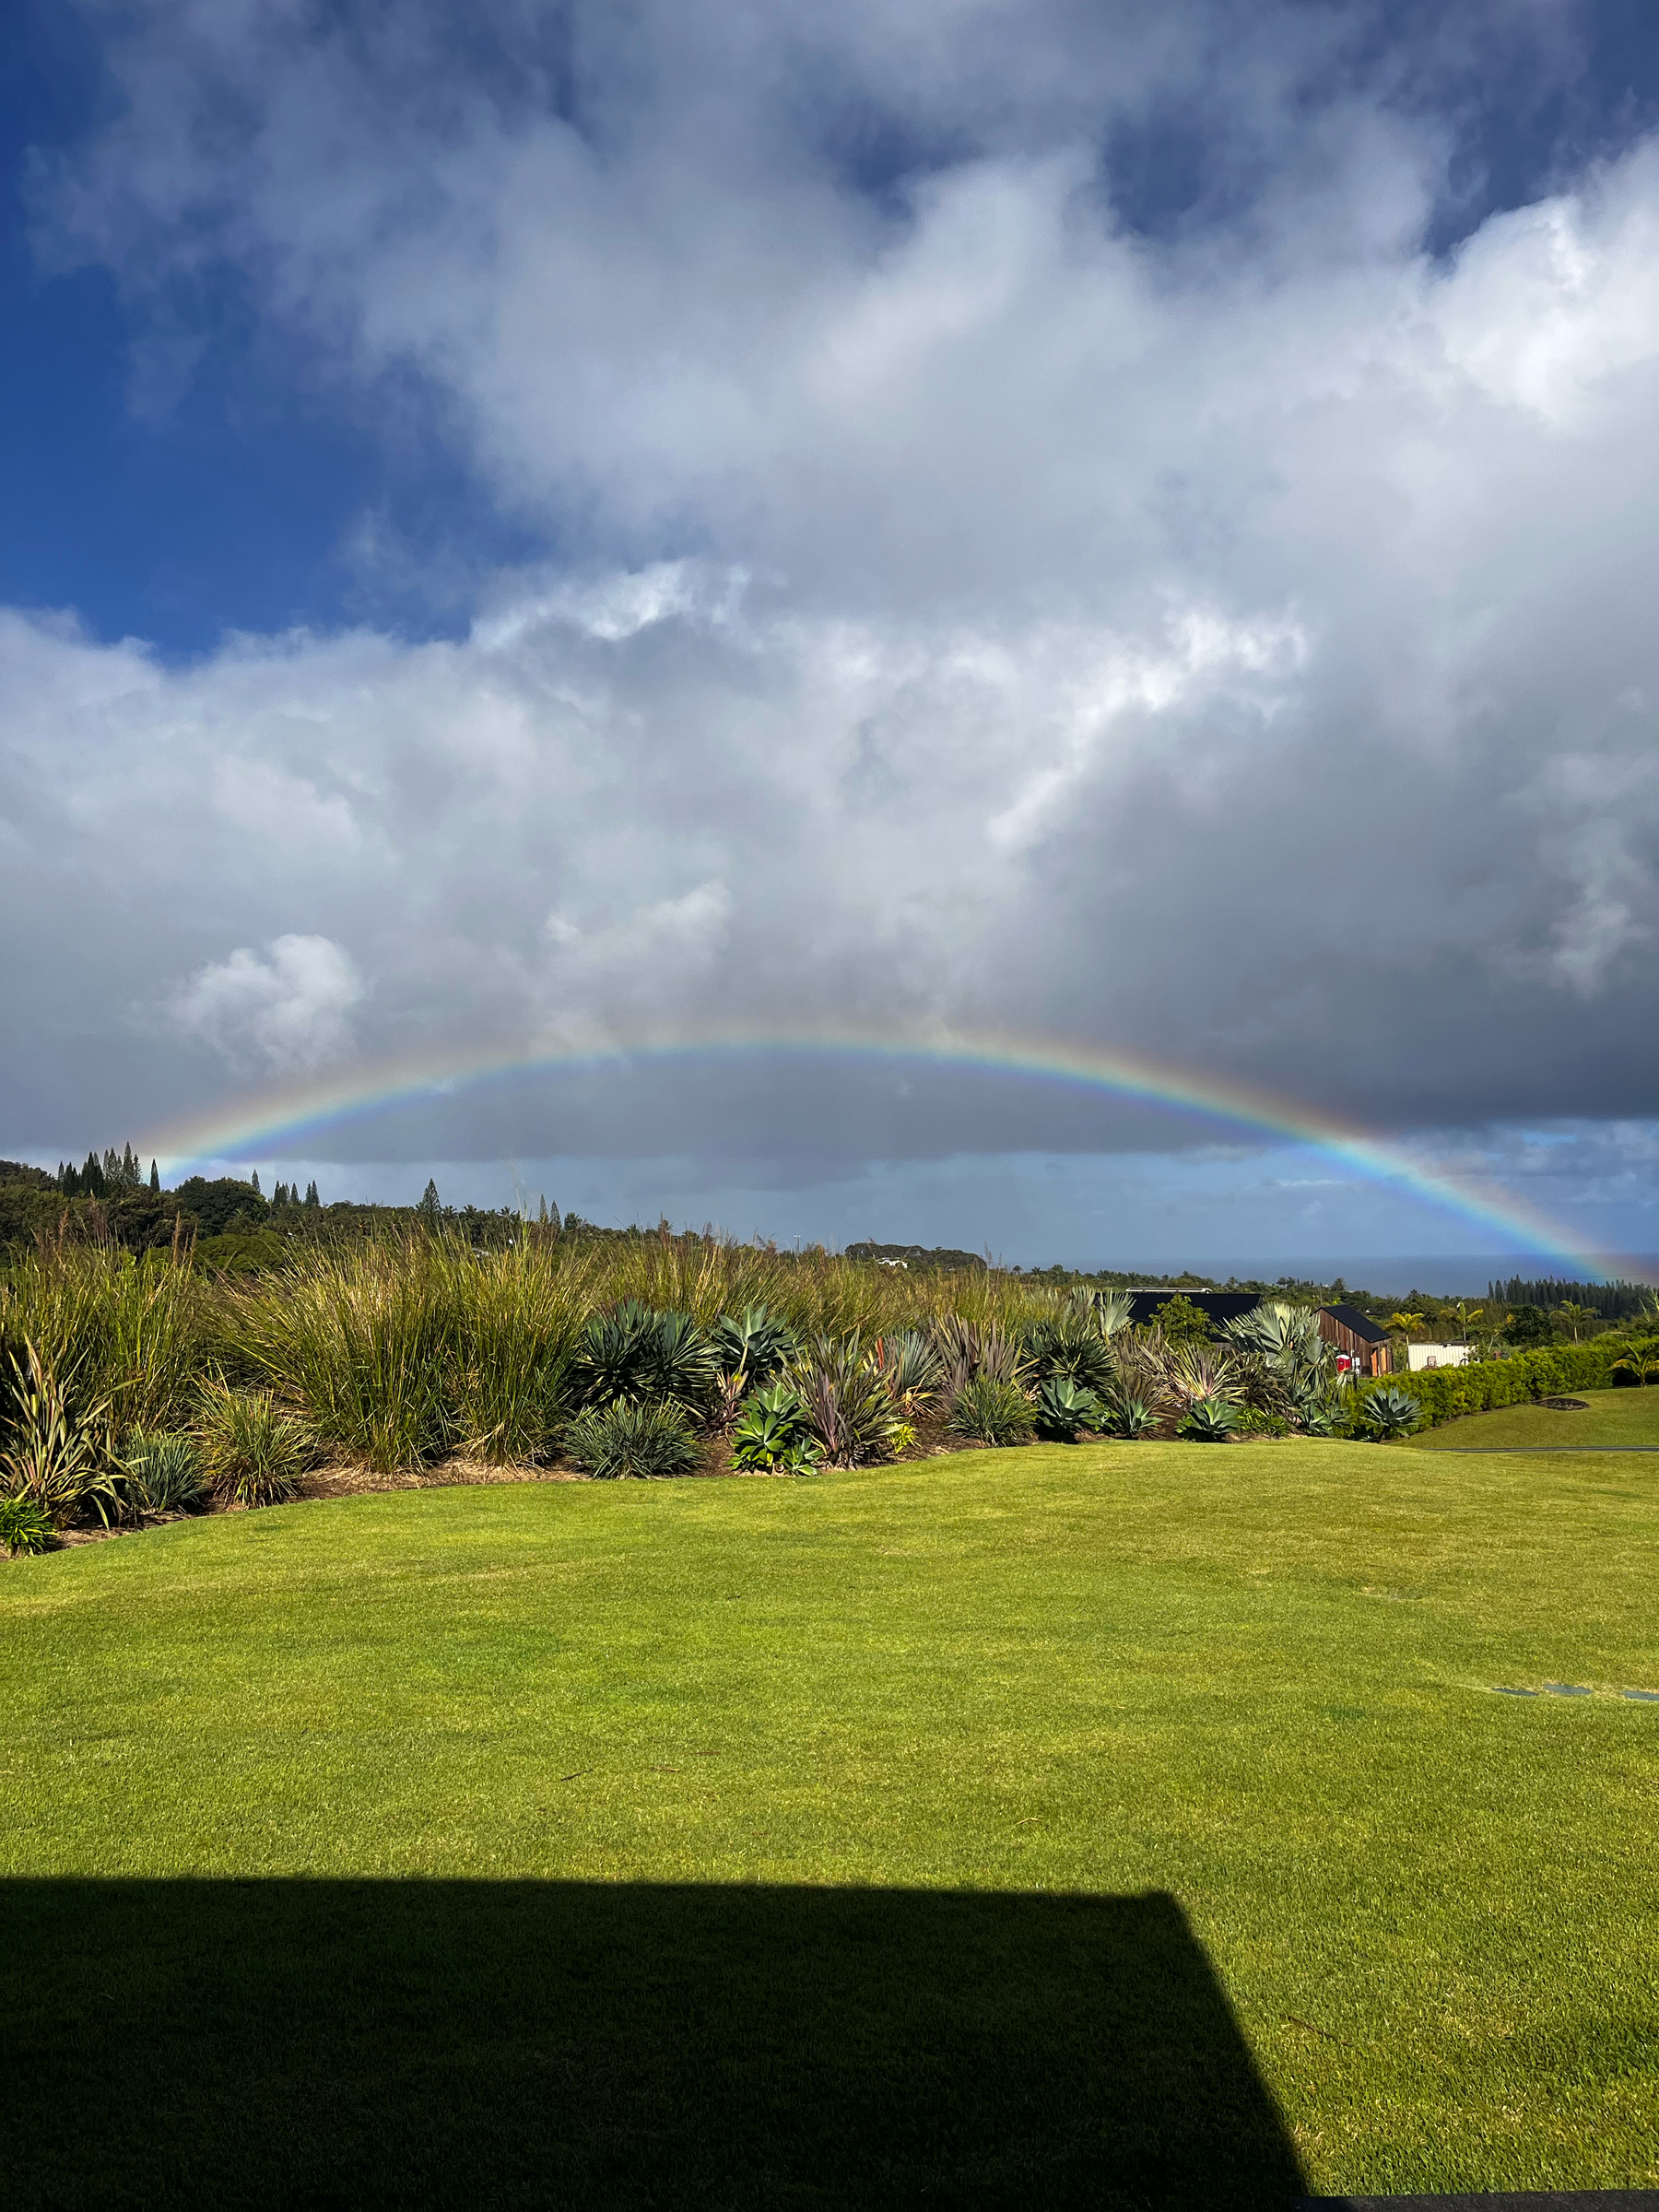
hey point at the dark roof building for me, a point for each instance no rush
(1217, 1306)
(1364, 1340)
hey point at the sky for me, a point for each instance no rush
(534, 529)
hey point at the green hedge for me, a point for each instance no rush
(1445, 1393)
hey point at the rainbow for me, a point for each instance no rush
(272, 1122)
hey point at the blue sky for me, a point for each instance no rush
(557, 522)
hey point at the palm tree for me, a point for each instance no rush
(1572, 1317)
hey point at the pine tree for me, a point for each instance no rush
(155, 1179)
(310, 1193)
(430, 1209)
(129, 1168)
(92, 1176)
(255, 1180)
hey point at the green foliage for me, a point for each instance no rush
(60, 1454)
(1445, 1393)
(628, 1438)
(1129, 1418)
(25, 1528)
(516, 1319)
(772, 1433)
(639, 1354)
(994, 1411)
(1181, 1321)
(251, 1450)
(848, 1406)
(129, 1330)
(363, 1340)
(1210, 1420)
(165, 1474)
(220, 1205)
(1388, 1413)
(910, 1367)
(1065, 1408)
(1637, 1365)
(1527, 1328)
(1072, 1348)
(754, 1344)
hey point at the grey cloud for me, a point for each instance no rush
(1231, 642)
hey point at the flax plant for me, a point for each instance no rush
(517, 1317)
(364, 1341)
(129, 1333)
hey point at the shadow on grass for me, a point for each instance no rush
(347, 2043)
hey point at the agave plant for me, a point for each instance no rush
(1210, 1420)
(1285, 1367)
(1065, 1407)
(1129, 1418)
(61, 1459)
(772, 1433)
(636, 1353)
(1388, 1413)
(754, 1344)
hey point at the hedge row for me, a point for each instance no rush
(1445, 1393)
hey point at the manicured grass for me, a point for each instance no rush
(1036, 1827)
(1613, 1418)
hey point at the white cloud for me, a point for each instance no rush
(1231, 641)
(289, 1010)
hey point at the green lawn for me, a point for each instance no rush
(1091, 1826)
(1611, 1417)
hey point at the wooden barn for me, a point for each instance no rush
(1364, 1340)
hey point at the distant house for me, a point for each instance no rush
(1437, 1355)
(1356, 1335)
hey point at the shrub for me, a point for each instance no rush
(1064, 1407)
(1446, 1393)
(1253, 1421)
(630, 1439)
(910, 1367)
(1210, 1420)
(1129, 1418)
(754, 1344)
(165, 1474)
(995, 1412)
(121, 1331)
(366, 1339)
(61, 1459)
(772, 1433)
(251, 1451)
(1390, 1413)
(25, 1525)
(848, 1407)
(517, 1317)
(1070, 1349)
(636, 1353)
